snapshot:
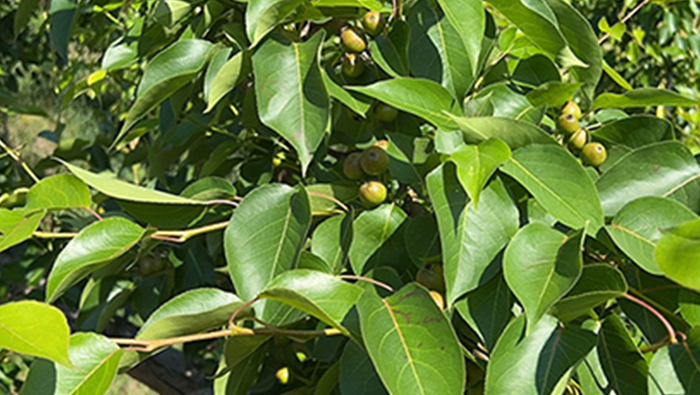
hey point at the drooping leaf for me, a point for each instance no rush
(535, 71)
(240, 379)
(583, 42)
(552, 94)
(499, 100)
(191, 312)
(675, 369)
(665, 169)
(540, 266)
(539, 23)
(357, 374)
(471, 237)
(407, 336)
(371, 230)
(515, 133)
(424, 98)
(264, 238)
(96, 360)
(331, 241)
(597, 285)
(389, 51)
(18, 226)
(360, 104)
(100, 300)
(263, 15)
(290, 94)
(476, 164)
(487, 310)
(95, 246)
(536, 363)
(623, 364)
(169, 71)
(559, 183)
(637, 228)
(62, 191)
(23, 14)
(227, 77)
(324, 296)
(61, 15)
(678, 251)
(635, 131)
(171, 12)
(643, 97)
(35, 328)
(122, 190)
(434, 37)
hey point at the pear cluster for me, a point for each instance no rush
(373, 161)
(577, 137)
(353, 42)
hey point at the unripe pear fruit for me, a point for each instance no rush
(352, 40)
(352, 168)
(374, 161)
(567, 124)
(578, 140)
(594, 154)
(353, 66)
(372, 193)
(373, 23)
(573, 109)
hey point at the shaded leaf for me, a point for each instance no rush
(357, 374)
(514, 133)
(678, 253)
(635, 131)
(476, 164)
(371, 230)
(597, 285)
(643, 97)
(331, 241)
(624, 366)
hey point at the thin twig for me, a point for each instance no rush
(671, 331)
(625, 19)
(16, 157)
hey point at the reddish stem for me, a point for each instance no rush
(368, 280)
(671, 332)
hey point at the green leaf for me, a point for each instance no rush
(539, 23)
(95, 246)
(237, 349)
(354, 101)
(331, 241)
(323, 296)
(411, 343)
(635, 131)
(675, 370)
(125, 51)
(423, 98)
(678, 251)
(583, 42)
(321, 196)
(122, 190)
(487, 310)
(290, 94)
(471, 237)
(35, 328)
(209, 188)
(264, 238)
(597, 285)
(170, 70)
(535, 71)
(625, 368)
(468, 20)
(171, 12)
(615, 76)
(24, 12)
(371, 230)
(226, 78)
(559, 183)
(96, 361)
(539, 362)
(643, 97)
(476, 163)
(552, 94)
(357, 375)
(637, 228)
(540, 266)
(389, 51)
(499, 100)
(263, 15)
(100, 300)
(61, 15)
(515, 133)
(194, 311)
(433, 36)
(17, 227)
(62, 191)
(662, 169)
(240, 380)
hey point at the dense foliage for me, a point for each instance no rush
(351, 196)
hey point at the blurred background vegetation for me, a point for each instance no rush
(62, 105)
